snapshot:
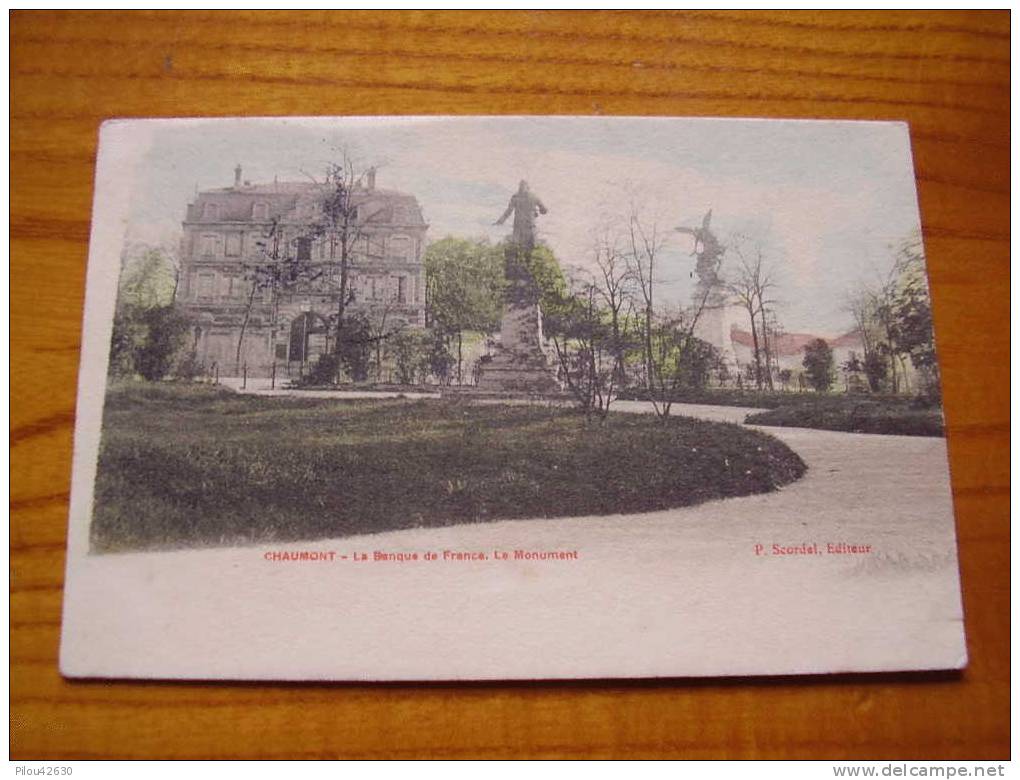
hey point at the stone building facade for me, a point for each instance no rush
(227, 232)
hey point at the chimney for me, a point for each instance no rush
(237, 177)
(370, 174)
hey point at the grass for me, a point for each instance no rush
(771, 399)
(190, 465)
(856, 417)
(902, 415)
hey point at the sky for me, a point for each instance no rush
(826, 201)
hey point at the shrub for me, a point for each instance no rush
(819, 365)
(322, 372)
(166, 335)
(860, 417)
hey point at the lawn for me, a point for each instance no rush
(854, 413)
(855, 416)
(192, 465)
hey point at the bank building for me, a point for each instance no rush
(225, 235)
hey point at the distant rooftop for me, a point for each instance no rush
(794, 343)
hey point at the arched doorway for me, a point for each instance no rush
(309, 338)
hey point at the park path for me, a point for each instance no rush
(260, 386)
(687, 591)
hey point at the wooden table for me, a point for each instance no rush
(945, 73)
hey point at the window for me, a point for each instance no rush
(260, 211)
(400, 248)
(206, 285)
(304, 249)
(233, 247)
(210, 245)
(211, 211)
(363, 288)
(401, 291)
(235, 287)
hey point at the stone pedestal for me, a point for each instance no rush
(714, 326)
(519, 364)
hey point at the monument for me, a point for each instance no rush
(718, 314)
(519, 364)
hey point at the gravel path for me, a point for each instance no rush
(690, 591)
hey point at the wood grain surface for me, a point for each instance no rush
(945, 73)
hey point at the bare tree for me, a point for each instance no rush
(341, 228)
(380, 328)
(584, 348)
(775, 331)
(751, 283)
(614, 287)
(342, 219)
(674, 346)
(275, 268)
(645, 242)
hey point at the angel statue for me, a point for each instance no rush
(708, 250)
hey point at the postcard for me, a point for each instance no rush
(481, 398)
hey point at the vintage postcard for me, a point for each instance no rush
(436, 398)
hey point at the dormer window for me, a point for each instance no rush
(260, 211)
(211, 211)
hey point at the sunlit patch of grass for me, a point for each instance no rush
(184, 466)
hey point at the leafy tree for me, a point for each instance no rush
(148, 277)
(853, 369)
(548, 275)
(128, 336)
(356, 350)
(464, 288)
(166, 334)
(697, 363)
(785, 377)
(875, 369)
(819, 365)
(910, 309)
(440, 360)
(144, 338)
(894, 321)
(410, 350)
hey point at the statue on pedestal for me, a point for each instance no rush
(519, 363)
(715, 314)
(525, 206)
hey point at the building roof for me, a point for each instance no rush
(285, 198)
(788, 344)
